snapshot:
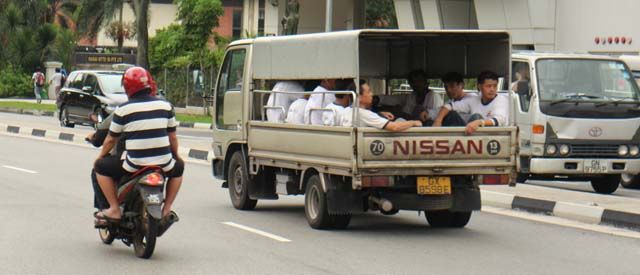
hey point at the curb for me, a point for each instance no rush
(196, 125)
(79, 139)
(572, 211)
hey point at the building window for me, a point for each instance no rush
(261, 17)
(237, 24)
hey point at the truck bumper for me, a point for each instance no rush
(572, 166)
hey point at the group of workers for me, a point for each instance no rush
(421, 107)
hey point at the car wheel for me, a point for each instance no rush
(239, 183)
(316, 209)
(606, 185)
(99, 118)
(630, 181)
(64, 118)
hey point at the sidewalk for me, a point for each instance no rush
(186, 111)
(574, 205)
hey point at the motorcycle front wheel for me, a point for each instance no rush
(146, 231)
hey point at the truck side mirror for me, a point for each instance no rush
(232, 108)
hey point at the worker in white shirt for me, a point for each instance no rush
(422, 104)
(295, 114)
(333, 115)
(454, 87)
(488, 109)
(282, 100)
(319, 100)
(367, 118)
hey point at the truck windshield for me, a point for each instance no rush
(585, 80)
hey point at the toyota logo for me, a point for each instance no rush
(595, 131)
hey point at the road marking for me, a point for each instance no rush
(19, 169)
(604, 229)
(257, 231)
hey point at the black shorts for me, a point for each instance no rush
(111, 166)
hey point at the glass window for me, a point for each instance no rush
(91, 81)
(521, 83)
(572, 80)
(237, 23)
(231, 78)
(76, 83)
(111, 83)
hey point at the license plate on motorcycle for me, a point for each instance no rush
(596, 166)
(434, 185)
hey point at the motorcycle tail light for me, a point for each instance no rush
(153, 179)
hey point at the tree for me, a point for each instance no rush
(61, 13)
(381, 14)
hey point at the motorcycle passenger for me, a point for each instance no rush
(148, 126)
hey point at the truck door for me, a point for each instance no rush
(522, 86)
(229, 98)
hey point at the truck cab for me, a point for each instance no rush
(347, 170)
(578, 118)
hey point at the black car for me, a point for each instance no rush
(90, 92)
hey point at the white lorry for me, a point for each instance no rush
(578, 119)
(348, 170)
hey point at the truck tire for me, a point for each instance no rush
(239, 183)
(446, 218)
(606, 185)
(630, 181)
(316, 209)
(521, 178)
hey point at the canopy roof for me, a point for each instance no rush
(380, 53)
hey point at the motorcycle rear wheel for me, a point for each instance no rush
(144, 241)
(106, 236)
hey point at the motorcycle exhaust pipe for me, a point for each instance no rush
(167, 221)
(382, 203)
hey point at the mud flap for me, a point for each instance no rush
(263, 185)
(341, 198)
(466, 196)
(152, 198)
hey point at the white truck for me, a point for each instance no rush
(348, 170)
(578, 119)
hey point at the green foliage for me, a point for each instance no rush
(14, 83)
(64, 46)
(381, 14)
(199, 17)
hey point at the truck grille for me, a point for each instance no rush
(594, 150)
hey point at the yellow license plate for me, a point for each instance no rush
(434, 185)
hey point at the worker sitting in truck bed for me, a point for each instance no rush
(370, 119)
(488, 109)
(319, 100)
(334, 117)
(282, 100)
(421, 104)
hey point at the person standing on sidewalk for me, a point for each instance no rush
(39, 80)
(56, 80)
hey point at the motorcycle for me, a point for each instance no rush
(140, 196)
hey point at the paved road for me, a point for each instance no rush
(45, 205)
(191, 138)
(585, 187)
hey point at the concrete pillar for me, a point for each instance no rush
(50, 70)
(328, 19)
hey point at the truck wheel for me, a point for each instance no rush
(316, 209)
(521, 178)
(630, 181)
(446, 218)
(239, 183)
(606, 185)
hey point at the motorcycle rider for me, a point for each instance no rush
(148, 126)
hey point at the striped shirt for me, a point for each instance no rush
(145, 122)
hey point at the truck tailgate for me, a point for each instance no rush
(442, 150)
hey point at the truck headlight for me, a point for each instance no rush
(623, 150)
(564, 149)
(634, 150)
(551, 149)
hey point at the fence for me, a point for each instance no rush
(186, 86)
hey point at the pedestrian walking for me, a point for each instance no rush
(38, 79)
(56, 81)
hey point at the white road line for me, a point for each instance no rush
(19, 169)
(256, 231)
(604, 229)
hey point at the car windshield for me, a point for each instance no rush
(111, 83)
(561, 80)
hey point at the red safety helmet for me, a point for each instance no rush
(136, 79)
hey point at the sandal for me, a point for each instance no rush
(100, 215)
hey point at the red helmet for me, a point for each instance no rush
(136, 79)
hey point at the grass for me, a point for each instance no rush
(52, 108)
(28, 106)
(194, 118)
